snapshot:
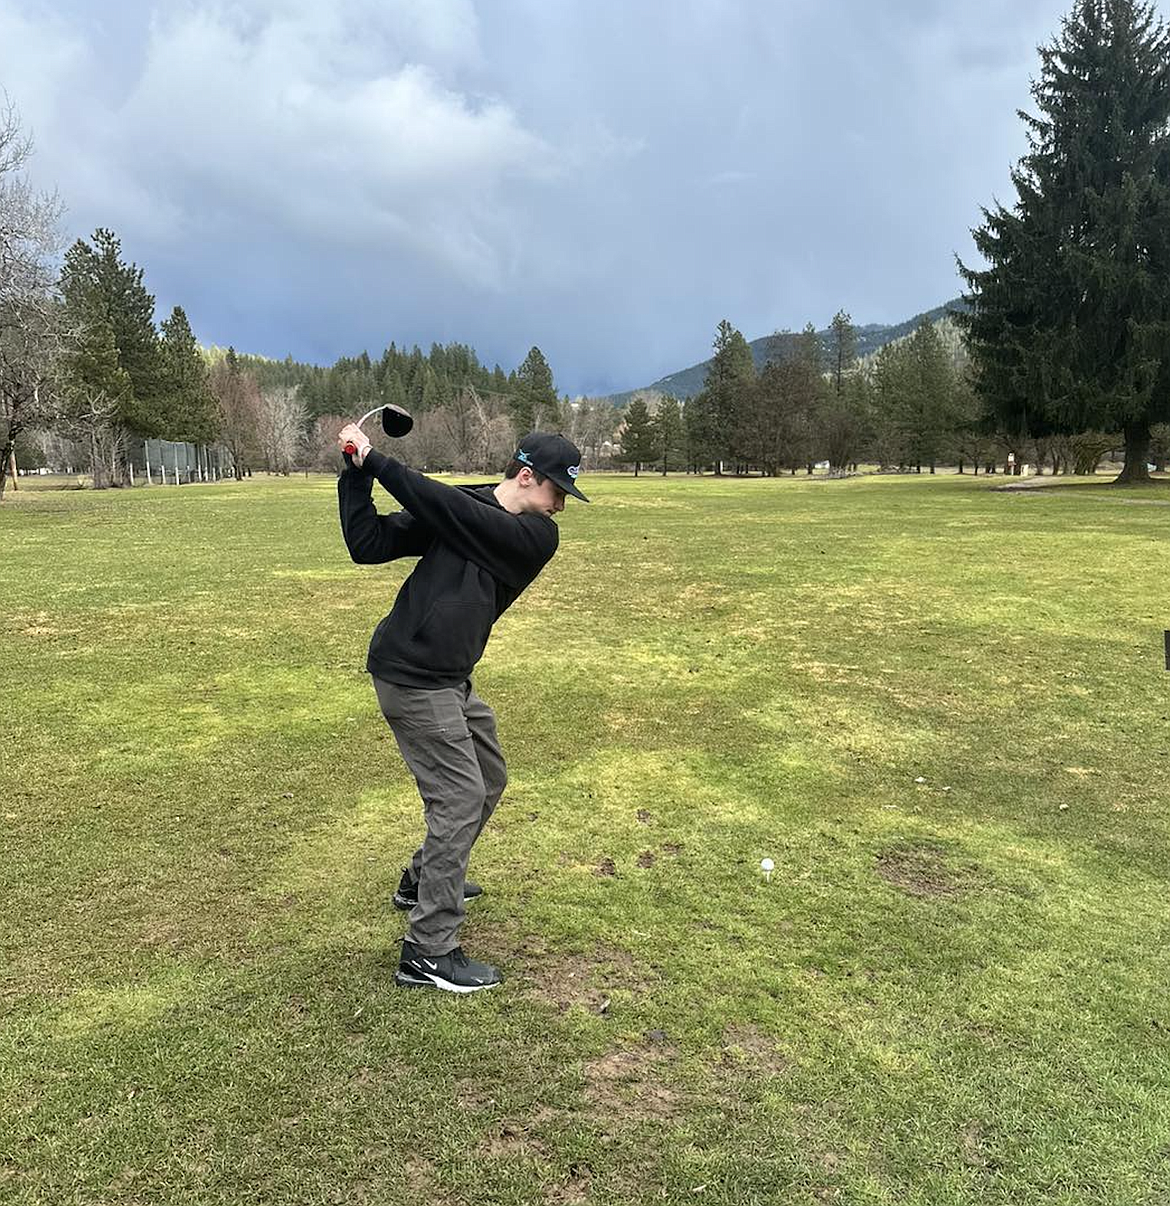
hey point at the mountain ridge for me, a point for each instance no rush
(685, 383)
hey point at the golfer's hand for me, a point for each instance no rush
(351, 433)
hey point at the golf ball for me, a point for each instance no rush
(766, 864)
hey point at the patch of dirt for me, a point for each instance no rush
(420, 1178)
(644, 816)
(646, 858)
(628, 1083)
(922, 870)
(672, 848)
(605, 867)
(510, 1141)
(573, 1191)
(972, 1139)
(747, 1046)
(589, 980)
(472, 1095)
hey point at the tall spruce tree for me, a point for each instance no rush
(95, 279)
(94, 387)
(843, 349)
(714, 414)
(1069, 325)
(190, 411)
(534, 395)
(639, 444)
(668, 434)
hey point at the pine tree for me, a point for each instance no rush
(95, 278)
(843, 349)
(189, 409)
(669, 438)
(535, 395)
(639, 441)
(715, 414)
(95, 387)
(1069, 325)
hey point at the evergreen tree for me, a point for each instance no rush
(1069, 325)
(715, 415)
(95, 279)
(639, 440)
(669, 438)
(535, 395)
(843, 349)
(95, 387)
(927, 416)
(189, 410)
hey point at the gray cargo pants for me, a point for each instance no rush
(448, 739)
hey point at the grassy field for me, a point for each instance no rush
(942, 710)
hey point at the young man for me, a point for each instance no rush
(479, 547)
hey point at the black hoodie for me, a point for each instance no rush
(475, 560)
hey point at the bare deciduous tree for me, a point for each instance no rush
(281, 418)
(30, 333)
(238, 397)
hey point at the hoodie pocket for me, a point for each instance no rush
(453, 635)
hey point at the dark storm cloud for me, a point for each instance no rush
(604, 180)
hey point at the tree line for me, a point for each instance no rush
(912, 406)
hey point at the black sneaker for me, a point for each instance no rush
(452, 972)
(407, 895)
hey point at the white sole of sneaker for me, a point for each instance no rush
(409, 980)
(400, 902)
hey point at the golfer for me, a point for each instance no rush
(478, 548)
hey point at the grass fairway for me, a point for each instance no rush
(941, 709)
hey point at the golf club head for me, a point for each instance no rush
(395, 421)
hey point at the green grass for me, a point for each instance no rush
(951, 991)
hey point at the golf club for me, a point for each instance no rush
(395, 422)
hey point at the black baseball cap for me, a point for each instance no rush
(553, 456)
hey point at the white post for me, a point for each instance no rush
(176, 464)
(146, 455)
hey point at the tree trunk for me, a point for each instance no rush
(7, 455)
(1137, 453)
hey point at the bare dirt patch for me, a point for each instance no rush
(672, 848)
(747, 1047)
(587, 980)
(573, 1191)
(629, 1083)
(644, 816)
(605, 867)
(923, 870)
(510, 1141)
(646, 858)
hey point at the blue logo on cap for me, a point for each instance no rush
(573, 470)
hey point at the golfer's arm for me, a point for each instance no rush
(512, 547)
(372, 538)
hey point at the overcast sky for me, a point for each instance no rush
(606, 179)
